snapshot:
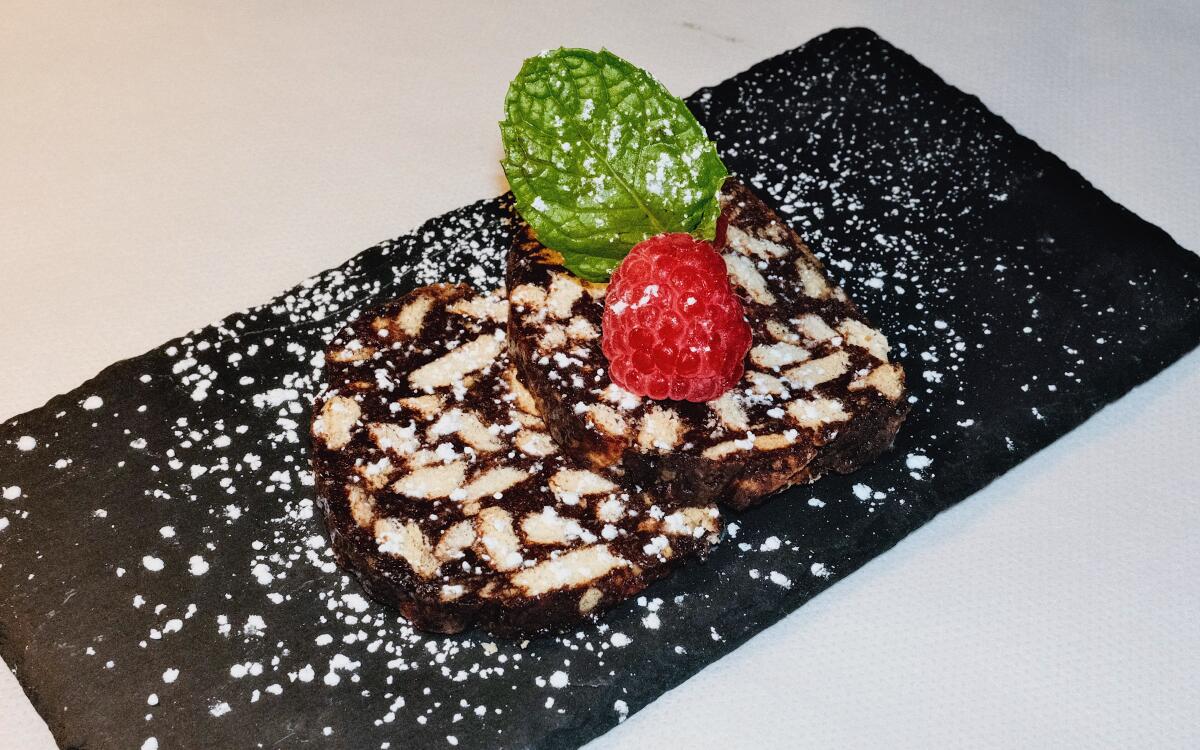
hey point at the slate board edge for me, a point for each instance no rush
(1171, 349)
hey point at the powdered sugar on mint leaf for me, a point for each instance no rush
(601, 156)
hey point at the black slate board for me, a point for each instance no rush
(1019, 298)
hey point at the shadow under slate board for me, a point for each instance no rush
(167, 585)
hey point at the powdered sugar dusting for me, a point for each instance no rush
(888, 177)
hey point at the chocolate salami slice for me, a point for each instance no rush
(445, 495)
(819, 393)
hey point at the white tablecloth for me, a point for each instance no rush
(162, 165)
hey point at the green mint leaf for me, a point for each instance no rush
(601, 156)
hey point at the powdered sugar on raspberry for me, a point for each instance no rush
(673, 326)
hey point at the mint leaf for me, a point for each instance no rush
(601, 156)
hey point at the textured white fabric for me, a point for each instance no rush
(162, 165)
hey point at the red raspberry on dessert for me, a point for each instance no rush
(673, 326)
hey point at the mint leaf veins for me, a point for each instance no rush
(601, 156)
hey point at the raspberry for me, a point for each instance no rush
(673, 327)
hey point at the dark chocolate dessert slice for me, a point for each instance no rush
(819, 393)
(444, 494)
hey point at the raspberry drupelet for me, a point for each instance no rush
(673, 326)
